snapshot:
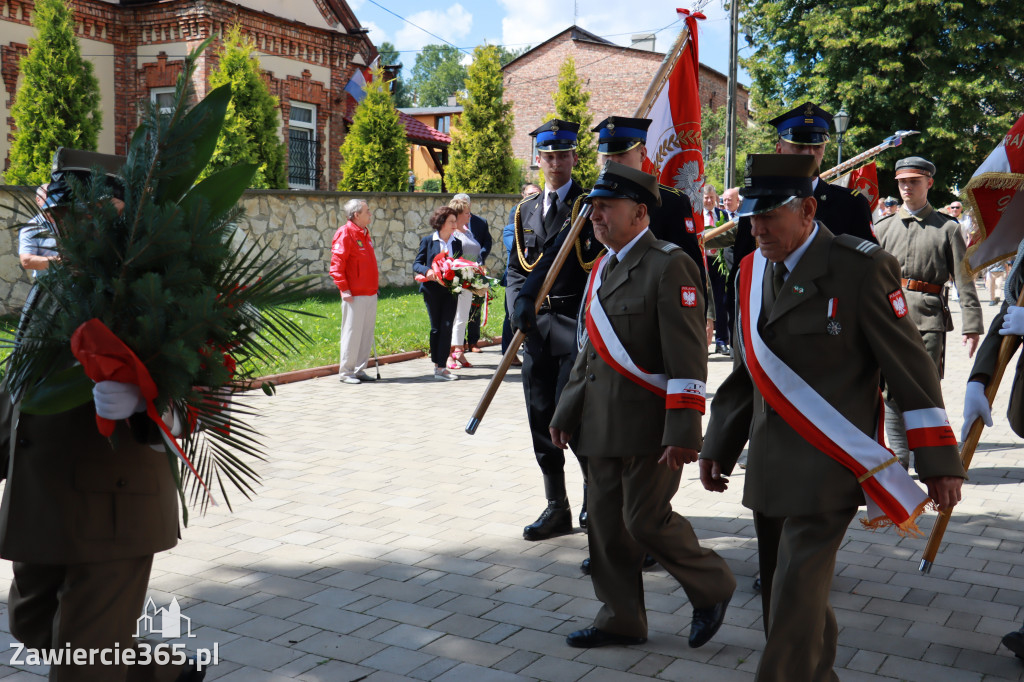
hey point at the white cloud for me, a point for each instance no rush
(377, 34)
(356, 5)
(452, 24)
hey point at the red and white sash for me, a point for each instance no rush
(893, 498)
(678, 393)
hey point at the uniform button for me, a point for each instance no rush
(24, 443)
(623, 307)
(592, 377)
(593, 355)
(121, 483)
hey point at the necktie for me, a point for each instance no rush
(612, 262)
(549, 217)
(778, 277)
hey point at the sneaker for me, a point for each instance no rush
(363, 376)
(350, 380)
(442, 374)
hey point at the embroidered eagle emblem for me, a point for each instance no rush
(898, 303)
(688, 296)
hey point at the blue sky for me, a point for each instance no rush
(517, 23)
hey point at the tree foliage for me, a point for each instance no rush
(481, 150)
(572, 103)
(753, 139)
(375, 155)
(506, 54)
(437, 75)
(389, 56)
(952, 70)
(250, 132)
(58, 103)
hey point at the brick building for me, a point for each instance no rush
(616, 76)
(308, 49)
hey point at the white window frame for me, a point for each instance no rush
(302, 125)
(154, 92)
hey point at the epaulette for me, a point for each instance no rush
(861, 246)
(668, 247)
(854, 192)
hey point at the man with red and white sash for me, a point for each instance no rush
(634, 402)
(820, 319)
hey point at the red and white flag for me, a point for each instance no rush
(996, 196)
(674, 146)
(864, 179)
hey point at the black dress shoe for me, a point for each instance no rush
(706, 622)
(591, 637)
(583, 510)
(1014, 641)
(189, 673)
(556, 519)
(585, 566)
(649, 561)
(757, 584)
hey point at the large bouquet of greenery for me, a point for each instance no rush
(168, 274)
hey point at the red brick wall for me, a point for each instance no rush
(126, 28)
(616, 77)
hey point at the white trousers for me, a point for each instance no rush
(358, 316)
(461, 317)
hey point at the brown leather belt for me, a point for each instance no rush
(918, 285)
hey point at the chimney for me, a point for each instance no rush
(451, 101)
(643, 41)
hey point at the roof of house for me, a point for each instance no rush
(421, 133)
(585, 36)
(417, 111)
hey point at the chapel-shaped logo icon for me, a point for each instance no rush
(166, 622)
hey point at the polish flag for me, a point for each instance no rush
(675, 151)
(995, 194)
(864, 179)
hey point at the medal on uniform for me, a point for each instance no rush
(833, 327)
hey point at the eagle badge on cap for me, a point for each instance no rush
(554, 127)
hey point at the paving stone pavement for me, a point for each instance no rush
(386, 544)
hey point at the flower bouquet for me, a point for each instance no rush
(459, 274)
(158, 288)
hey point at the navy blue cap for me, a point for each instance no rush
(618, 181)
(618, 134)
(556, 136)
(806, 124)
(772, 180)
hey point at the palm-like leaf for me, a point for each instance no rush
(171, 275)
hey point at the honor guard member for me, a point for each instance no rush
(804, 130)
(551, 335)
(930, 249)
(821, 319)
(638, 428)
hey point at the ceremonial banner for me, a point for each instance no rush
(996, 199)
(675, 151)
(864, 179)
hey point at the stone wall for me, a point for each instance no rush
(303, 224)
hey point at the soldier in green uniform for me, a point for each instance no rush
(930, 249)
(638, 427)
(821, 318)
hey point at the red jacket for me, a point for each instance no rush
(353, 263)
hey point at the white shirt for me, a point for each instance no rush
(561, 192)
(448, 245)
(792, 259)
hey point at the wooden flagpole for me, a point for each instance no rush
(664, 71)
(1006, 351)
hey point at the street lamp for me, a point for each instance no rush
(842, 121)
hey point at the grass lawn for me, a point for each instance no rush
(402, 325)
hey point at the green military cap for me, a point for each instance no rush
(772, 180)
(914, 166)
(618, 181)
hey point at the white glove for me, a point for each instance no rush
(975, 405)
(116, 400)
(1013, 321)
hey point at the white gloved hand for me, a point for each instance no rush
(975, 405)
(1013, 321)
(116, 400)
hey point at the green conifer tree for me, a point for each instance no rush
(481, 152)
(375, 154)
(250, 132)
(58, 103)
(572, 103)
